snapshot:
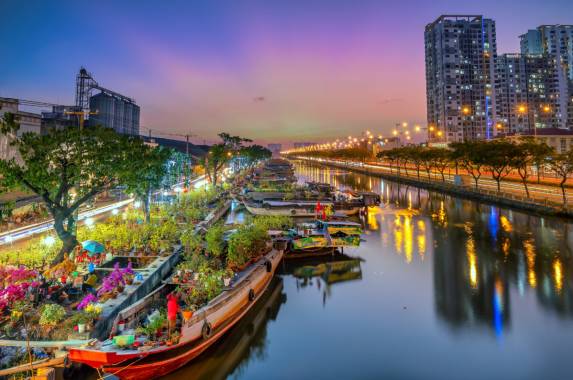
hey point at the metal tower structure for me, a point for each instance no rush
(84, 87)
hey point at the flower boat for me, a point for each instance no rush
(340, 227)
(199, 332)
(298, 208)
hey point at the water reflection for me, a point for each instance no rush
(479, 252)
(324, 272)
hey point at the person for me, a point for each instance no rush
(172, 309)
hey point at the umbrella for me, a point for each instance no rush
(93, 247)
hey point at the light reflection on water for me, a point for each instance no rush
(448, 289)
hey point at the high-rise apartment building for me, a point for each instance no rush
(525, 93)
(555, 42)
(461, 52)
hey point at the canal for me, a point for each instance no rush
(445, 288)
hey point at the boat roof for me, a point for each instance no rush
(294, 203)
(341, 223)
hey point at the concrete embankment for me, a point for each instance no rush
(482, 195)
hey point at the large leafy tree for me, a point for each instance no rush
(253, 154)
(67, 168)
(220, 154)
(148, 175)
(562, 166)
(498, 156)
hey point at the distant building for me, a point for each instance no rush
(58, 119)
(386, 143)
(558, 138)
(525, 93)
(298, 145)
(555, 42)
(29, 122)
(275, 149)
(115, 111)
(460, 51)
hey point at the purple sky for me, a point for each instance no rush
(271, 70)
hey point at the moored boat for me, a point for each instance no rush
(298, 208)
(199, 332)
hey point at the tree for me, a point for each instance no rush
(217, 157)
(148, 175)
(441, 159)
(220, 154)
(539, 152)
(253, 154)
(521, 162)
(497, 157)
(67, 168)
(416, 155)
(470, 155)
(562, 166)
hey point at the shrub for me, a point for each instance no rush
(245, 244)
(215, 240)
(52, 314)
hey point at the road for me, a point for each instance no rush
(20, 233)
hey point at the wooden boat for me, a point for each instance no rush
(340, 227)
(206, 326)
(221, 359)
(297, 208)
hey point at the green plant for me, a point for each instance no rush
(52, 314)
(245, 244)
(215, 240)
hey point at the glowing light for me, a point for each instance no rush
(9, 239)
(546, 108)
(431, 128)
(137, 204)
(114, 211)
(530, 257)
(466, 110)
(89, 222)
(522, 109)
(408, 238)
(505, 224)
(558, 275)
(440, 133)
(472, 261)
(395, 132)
(49, 241)
(417, 128)
(404, 124)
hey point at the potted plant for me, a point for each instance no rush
(81, 320)
(51, 315)
(188, 312)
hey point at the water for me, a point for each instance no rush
(447, 289)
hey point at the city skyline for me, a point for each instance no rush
(276, 73)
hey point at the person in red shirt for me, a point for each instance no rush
(172, 309)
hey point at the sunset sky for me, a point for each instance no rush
(292, 70)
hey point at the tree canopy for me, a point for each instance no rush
(69, 167)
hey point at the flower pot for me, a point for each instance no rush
(81, 328)
(187, 314)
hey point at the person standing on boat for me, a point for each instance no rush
(172, 309)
